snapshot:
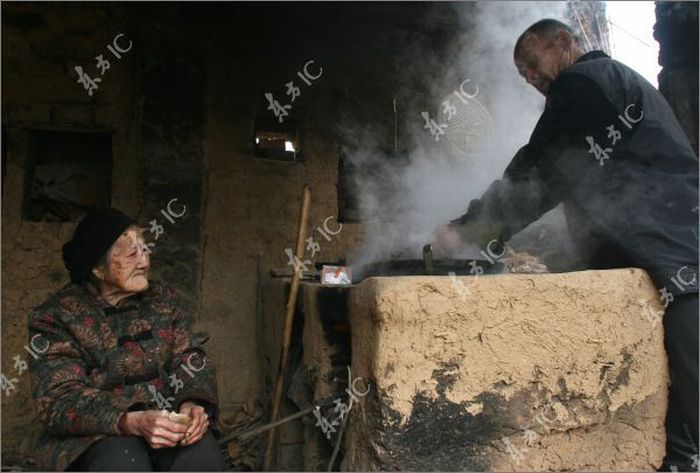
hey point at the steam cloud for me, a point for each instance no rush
(401, 202)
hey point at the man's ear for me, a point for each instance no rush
(564, 38)
(98, 273)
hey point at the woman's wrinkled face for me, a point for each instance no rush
(128, 262)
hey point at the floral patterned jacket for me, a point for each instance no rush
(94, 362)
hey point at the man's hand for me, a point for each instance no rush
(159, 430)
(200, 422)
(447, 240)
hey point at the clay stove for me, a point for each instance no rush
(512, 372)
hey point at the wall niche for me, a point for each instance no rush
(68, 173)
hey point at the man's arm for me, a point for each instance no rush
(545, 170)
(508, 205)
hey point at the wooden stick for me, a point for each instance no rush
(288, 321)
(242, 437)
(336, 449)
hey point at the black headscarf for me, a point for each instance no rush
(93, 237)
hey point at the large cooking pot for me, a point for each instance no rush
(416, 267)
(428, 266)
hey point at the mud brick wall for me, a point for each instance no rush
(40, 46)
(171, 77)
(543, 372)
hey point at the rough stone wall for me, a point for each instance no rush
(544, 372)
(676, 30)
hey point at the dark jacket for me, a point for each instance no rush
(98, 362)
(635, 197)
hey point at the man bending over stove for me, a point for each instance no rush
(611, 149)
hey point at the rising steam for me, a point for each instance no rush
(402, 201)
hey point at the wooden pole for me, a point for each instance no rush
(267, 427)
(245, 436)
(288, 321)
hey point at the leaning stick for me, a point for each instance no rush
(242, 437)
(288, 320)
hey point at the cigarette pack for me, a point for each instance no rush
(335, 275)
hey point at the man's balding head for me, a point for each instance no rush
(543, 50)
(547, 30)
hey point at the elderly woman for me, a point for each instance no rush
(120, 384)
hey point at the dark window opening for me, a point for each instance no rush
(68, 174)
